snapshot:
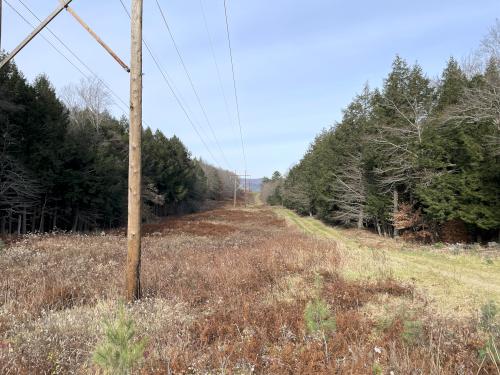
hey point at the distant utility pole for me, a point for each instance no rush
(247, 186)
(133, 278)
(245, 190)
(236, 176)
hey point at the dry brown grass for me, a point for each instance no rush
(225, 292)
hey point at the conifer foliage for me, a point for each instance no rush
(120, 352)
(63, 162)
(411, 156)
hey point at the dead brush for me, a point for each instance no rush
(203, 274)
(59, 297)
(353, 295)
(211, 305)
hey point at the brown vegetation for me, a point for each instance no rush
(225, 292)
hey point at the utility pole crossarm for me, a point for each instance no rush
(97, 38)
(35, 32)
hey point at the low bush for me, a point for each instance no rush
(120, 352)
(489, 324)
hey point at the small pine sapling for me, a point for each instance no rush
(318, 317)
(120, 352)
(490, 326)
(412, 332)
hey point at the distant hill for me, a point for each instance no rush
(254, 184)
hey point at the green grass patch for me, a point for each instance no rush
(454, 283)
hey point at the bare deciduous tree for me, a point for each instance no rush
(475, 63)
(19, 193)
(350, 191)
(481, 104)
(87, 101)
(220, 182)
(401, 143)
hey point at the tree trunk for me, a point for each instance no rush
(25, 218)
(42, 222)
(54, 221)
(33, 223)
(360, 219)
(42, 216)
(4, 222)
(395, 209)
(75, 222)
(19, 224)
(378, 227)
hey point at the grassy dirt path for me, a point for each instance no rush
(455, 285)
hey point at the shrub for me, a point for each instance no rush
(384, 323)
(439, 245)
(317, 314)
(490, 351)
(120, 352)
(488, 323)
(488, 314)
(318, 317)
(377, 369)
(412, 331)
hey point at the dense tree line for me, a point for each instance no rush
(63, 163)
(413, 157)
(271, 189)
(220, 182)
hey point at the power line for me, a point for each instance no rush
(166, 73)
(234, 85)
(45, 38)
(191, 83)
(79, 60)
(73, 53)
(219, 76)
(176, 97)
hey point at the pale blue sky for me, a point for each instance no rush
(298, 63)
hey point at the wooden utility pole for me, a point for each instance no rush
(244, 176)
(133, 278)
(247, 186)
(235, 178)
(245, 189)
(134, 192)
